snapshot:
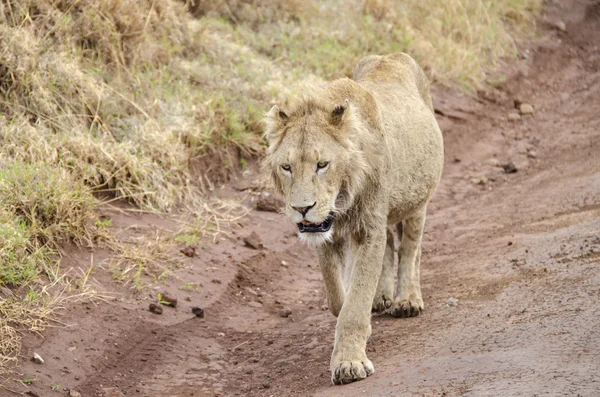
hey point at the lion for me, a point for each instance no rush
(352, 158)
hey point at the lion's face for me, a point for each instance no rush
(310, 159)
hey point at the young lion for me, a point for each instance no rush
(352, 157)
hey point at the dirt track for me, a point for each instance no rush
(520, 252)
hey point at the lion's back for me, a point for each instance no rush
(398, 68)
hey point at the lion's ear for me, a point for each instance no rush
(338, 113)
(275, 120)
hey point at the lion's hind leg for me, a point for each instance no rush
(385, 289)
(408, 301)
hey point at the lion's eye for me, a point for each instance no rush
(286, 167)
(322, 164)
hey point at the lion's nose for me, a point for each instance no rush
(304, 210)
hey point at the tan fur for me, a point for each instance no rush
(384, 151)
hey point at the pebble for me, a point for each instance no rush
(154, 308)
(512, 116)
(198, 312)
(37, 359)
(269, 202)
(493, 162)
(255, 304)
(561, 26)
(74, 393)
(72, 348)
(253, 241)
(285, 312)
(168, 300)
(452, 302)
(532, 154)
(189, 251)
(526, 108)
(480, 180)
(509, 168)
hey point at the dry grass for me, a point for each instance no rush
(35, 310)
(42, 207)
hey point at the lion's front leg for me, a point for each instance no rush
(349, 360)
(331, 260)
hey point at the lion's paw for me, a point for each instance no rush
(351, 371)
(407, 307)
(381, 303)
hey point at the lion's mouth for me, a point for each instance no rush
(307, 227)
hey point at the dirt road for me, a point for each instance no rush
(519, 251)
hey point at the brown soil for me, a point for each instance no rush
(520, 252)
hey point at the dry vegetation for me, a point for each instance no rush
(148, 100)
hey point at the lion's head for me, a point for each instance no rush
(315, 164)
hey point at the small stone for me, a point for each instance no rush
(74, 393)
(154, 308)
(509, 168)
(452, 302)
(31, 393)
(253, 241)
(266, 385)
(526, 108)
(532, 154)
(257, 305)
(560, 25)
(564, 96)
(221, 334)
(72, 348)
(167, 299)
(269, 202)
(285, 312)
(493, 162)
(198, 312)
(189, 251)
(480, 180)
(513, 116)
(284, 263)
(37, 359)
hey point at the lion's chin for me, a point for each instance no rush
(316, 239)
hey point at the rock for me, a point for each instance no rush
(526, 108)
(560, 25)
(189, 251)
(72, 348)
(480, 180)
(112, 392)
(31, 393)
(284, 263)
(521, 147)
(74, 393)
(167, 300)
(452, 302)
(513, 116)
(198, 311)
(37, 359)
(509, 168)
(255, 304)
(285, 312)
(154, 308)
(269, 202)
(253, 241)
(493, 162)
(532, 154)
